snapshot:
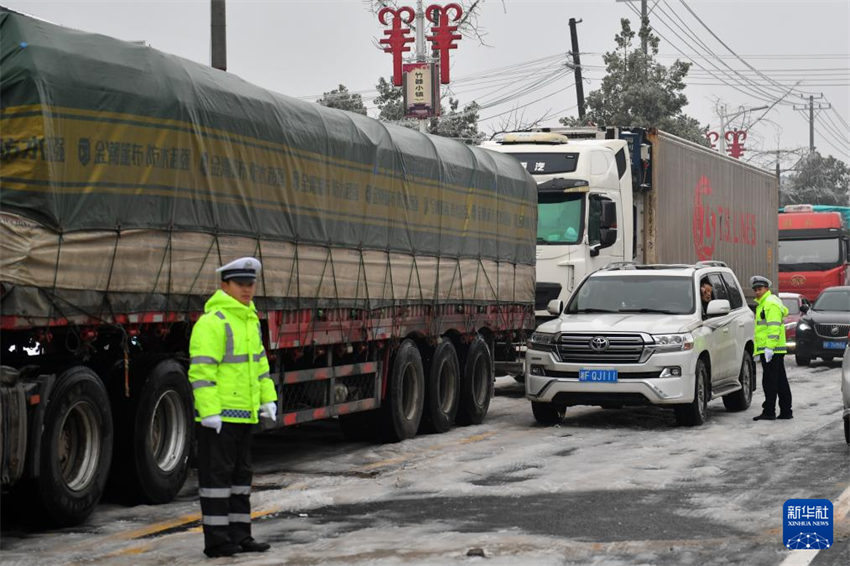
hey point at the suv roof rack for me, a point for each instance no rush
(614, 266)
(711, 263)
(620, 265)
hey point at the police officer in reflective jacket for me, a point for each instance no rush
(770, 345)
(229, 374)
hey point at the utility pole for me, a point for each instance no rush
(218, 34)
(577, 67)
(420, 50)
(812, 118)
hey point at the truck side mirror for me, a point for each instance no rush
(607, 237)
(555, 307)
(608, 217)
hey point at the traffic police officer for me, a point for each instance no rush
(229, 374)
(770, 346)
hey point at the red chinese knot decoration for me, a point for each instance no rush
(444, 35)
(397, 36)
(736, 139)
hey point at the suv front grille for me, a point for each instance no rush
(622, 348)
(825, 330)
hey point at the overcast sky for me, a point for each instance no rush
(303, 48)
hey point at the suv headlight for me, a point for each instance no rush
(542, 341)
(673, 342)
(803, 326)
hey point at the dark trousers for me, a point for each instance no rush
(224, 483)
(774, 381)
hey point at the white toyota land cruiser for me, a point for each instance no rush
(641, 334)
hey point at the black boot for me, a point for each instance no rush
(764, 417)
(226, 549)
(788, 415)
(251, 545)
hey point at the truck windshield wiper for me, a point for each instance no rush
(662, 311)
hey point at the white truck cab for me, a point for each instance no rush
(585, 218)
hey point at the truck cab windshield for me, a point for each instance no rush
(809, 255)
(634, 293)
(559, 218)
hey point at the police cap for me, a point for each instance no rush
(759, 281)
(242, 270)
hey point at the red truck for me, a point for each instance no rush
(814, 248)
(397, 267)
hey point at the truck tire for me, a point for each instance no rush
(694, 413)
(476, 384)
(162, 433)
(405, 394)
(76, 448)
(740, 400)
(547, 413)
(442, 389)
(847, 429)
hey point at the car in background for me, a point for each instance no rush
(822, 331)
(845, 389)
(796, 304)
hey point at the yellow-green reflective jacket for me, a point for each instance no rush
(770, 331)
(229, 370)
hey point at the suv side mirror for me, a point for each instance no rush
(555, 307)
(717, 307)
(804, 308)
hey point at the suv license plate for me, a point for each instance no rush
(604, 375)
(834, 345)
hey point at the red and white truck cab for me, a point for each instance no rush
(814, 248)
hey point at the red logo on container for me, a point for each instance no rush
(718, 223)
(704, 222)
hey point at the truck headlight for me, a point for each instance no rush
(673, 342)
(542, 341)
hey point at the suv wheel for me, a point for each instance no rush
(694, 413)
(740, 400)
(547, 413)
(802, 360)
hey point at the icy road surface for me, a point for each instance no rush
(612, 487)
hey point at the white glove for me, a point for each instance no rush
(768, 355)
(269, 410)
(213, 422)
(756, 358)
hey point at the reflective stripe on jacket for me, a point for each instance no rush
(229, 370)
(770, 331)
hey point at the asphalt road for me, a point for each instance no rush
(618, 487)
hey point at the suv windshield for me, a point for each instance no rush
(838, 300)
(634, 293)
